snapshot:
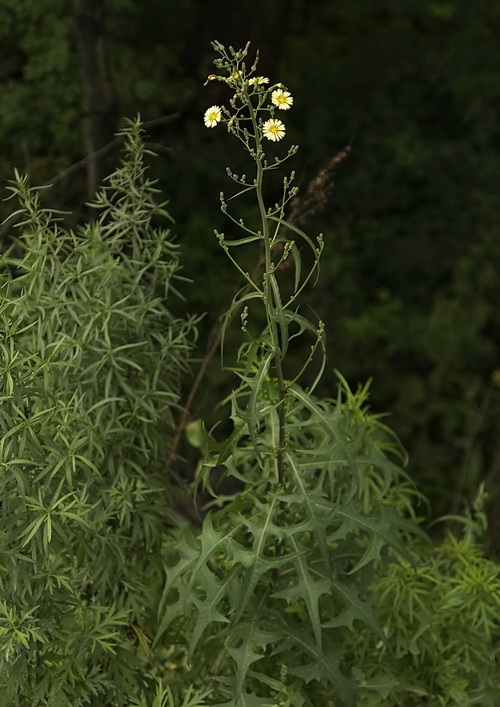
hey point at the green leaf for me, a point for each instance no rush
(308, 589)
(215, 593)
(381, 529)
(249, 647)
(356, 609)
(323, 665)
(251, 415)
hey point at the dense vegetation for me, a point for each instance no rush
(307, 577)
(409, 285)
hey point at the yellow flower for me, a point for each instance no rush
(282, 99)
(258, 81)
(212, 116)
(273, 129)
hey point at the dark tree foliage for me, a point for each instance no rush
(409, 285)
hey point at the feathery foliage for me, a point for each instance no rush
(91, 359)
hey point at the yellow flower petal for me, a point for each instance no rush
(258, 81)
(282, 99)
(273, 129)
(212, 116)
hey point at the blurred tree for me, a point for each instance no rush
(410, 277)
(102, 111)
(414, 86)
(40, 120)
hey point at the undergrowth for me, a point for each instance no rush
(310, 581)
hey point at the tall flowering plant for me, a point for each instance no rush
(271, 584)
(251, 118)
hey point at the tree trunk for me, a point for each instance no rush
(101, 106)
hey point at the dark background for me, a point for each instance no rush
(409, 286)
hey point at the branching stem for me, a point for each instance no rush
(269, 299)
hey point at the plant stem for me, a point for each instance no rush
(269, 302)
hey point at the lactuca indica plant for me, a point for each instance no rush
(270, 588)
(251, 119)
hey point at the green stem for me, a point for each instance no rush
(269, 300)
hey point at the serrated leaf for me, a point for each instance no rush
(324, 418)
(356, 609)
(215, 591)
(175, 579)
(323, 666)
(308, 589)
(381, 530)
(256, 561)
(211, 541)
(251, 414)
(251, 641)
(306, 499)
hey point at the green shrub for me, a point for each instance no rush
(441, 619)
(91, 360)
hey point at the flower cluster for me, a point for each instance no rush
(278, 97)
